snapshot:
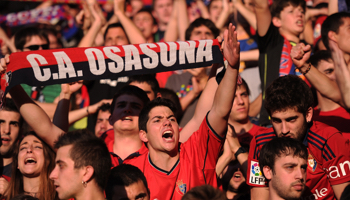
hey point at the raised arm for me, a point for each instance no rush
(220, 23)
(219, 113)
(245, 12)
(300, 54)
(263, 16)
(134, 34)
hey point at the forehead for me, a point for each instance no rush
(144, 86)
(30, 138)
(102, 113)
(160, 111)
(35, 40)
(9, 115)
(325, 64)
(291, 7)
(63, 153)
(241, 88)
(161, 2)
(283, 114)
(215, 3)
(115, 32)
(143, 15)
(284, 159)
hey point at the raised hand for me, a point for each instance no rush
(231, 48)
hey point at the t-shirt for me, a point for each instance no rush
(338, 118)
(195, 167)
(328, 160)
(274, 61)
(116, 160)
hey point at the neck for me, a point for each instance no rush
(232, 195)
(91, 192)
(325, 104)
(31, 185)
(150, 39)
(347, 59)
(6, 161)
(241, 126)
(289, 36)
(163, 160)
(124, 145)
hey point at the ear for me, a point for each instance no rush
(276, 22)
(333, 36)
(154, 29)
(159, 95)
(143, 136)
(309, 114)
(267, 172)
(88, 171)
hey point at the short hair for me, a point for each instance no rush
(114, 25)
(288, 92)
(130, 90)
(23, 35)
(316, 58)
(88, 150)
(149, 11)
(10, 106)
(199, 22)
(245, 85)
(150, 79)
(104, 108)
(278, 5)
(144, 114)
(172, 96)
(281, 146)
(204, 192)
(332, 23)
(125, 175)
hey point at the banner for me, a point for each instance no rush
(47, 67)
(66, 1)
(32, 16)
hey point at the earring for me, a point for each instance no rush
(84, 183)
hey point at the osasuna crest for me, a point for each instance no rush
(181, 187)
(312, 163)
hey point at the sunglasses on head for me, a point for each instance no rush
(36, 47)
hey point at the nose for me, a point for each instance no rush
(285, 129)
(239, 100)
(128, 109)
(5, 128)
(53, 174)
(167, 122)
(30, 149)
(300, 174)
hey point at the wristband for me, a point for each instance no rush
(239, 151)
(87, 110)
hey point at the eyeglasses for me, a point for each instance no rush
(36, 47)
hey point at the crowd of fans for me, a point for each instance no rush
(269, 123)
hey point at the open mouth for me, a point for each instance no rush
(168, 135)
(30, 161)
(127, 119)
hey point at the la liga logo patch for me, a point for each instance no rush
(255, 175)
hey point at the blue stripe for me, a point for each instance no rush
(324, 157)
(322, 138)
(320, 148)
(318, 141)
(265, 138)
(330, 150)
(255, 152)
(262, 135)
(327, 154)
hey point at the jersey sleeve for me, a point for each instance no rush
(254, 174)
(336, 159)
(204, 146)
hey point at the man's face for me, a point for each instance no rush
(144, 21)
(9, 127)
(102, 123)
(162, 10)
(215, 10)
(135, 191)
(327, 68)
(292, 20)
(343, 35)
(145, 87)
(67, 179)
(34, 40)
(116, 36)
(125, 116)
(290, 123)
(240, 107)
(162, 131)
(288, 177)
(201, 33)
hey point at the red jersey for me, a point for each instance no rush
(116, 160)
(196, 166)
(245, 138)
(328, 161)
(338, 118)
(108, 136)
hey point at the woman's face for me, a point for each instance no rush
(31, 156)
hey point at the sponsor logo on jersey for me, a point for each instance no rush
(181, 187)
(342, 169)
(318, 194)
(312, 163)
(256, 176)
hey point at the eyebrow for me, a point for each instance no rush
(161, 117)
(35, 141)
(141, 195)
(60, 162)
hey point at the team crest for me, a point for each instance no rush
(181, 187)
(312, 163)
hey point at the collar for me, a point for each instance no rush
(307, 133)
